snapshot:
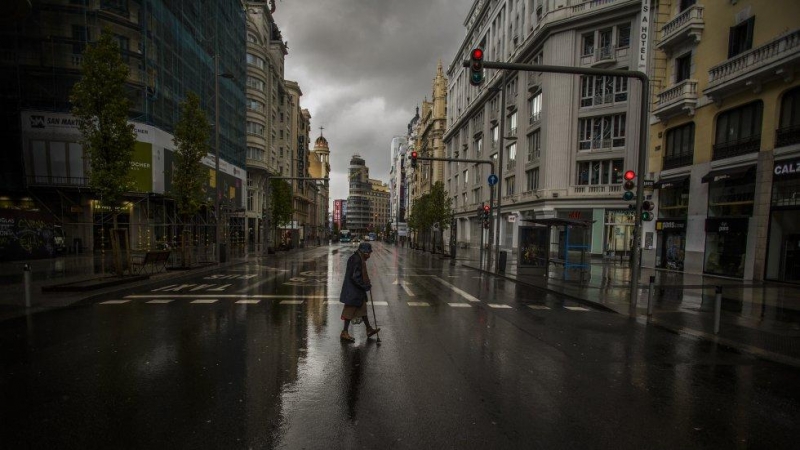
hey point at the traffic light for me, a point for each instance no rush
(647, 210)
(413, 160)
(486, 215)
(629, 185)
(476, 67)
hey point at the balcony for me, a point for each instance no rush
(686, 26)
(534, 82)
(675, 161)
(787, 136)
(534, 118)
(750, 144)
(601, 56)
(755, 67)
(676, 100)
(609, 190)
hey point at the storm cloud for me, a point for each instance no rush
(363, 66)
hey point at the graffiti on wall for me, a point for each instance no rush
(24, 235)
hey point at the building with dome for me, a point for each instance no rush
(319, 167)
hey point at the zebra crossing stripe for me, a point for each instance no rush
(380, 303)
(159, 302)
(577, 308)
(460, 305)
(538, 307)
(249, 302)
(419, 304)
(498, 306)
(211, 300)
(292, 302)
(114, 302)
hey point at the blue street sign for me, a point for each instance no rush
(492, 179)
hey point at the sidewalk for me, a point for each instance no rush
(761, 318)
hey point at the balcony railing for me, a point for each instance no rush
(787, 136)
(672, 162)
(757, 64)
(535, 117)
(688, 23)
(594, 189)
(750, 144)
(676, 99)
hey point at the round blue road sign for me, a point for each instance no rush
(492, 179)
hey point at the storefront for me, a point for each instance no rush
(673, 208)
(619, 231)
(730, 205)
(783, 253)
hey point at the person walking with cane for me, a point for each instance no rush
(355, 286)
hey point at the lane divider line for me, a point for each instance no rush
(114, 302)
(204, 301)
(159, 302)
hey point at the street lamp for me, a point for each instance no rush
(217, 229)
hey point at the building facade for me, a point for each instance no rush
(320, 167)
(340, 213)
(725, 139)
(398, 185)
(567, 139)
(171, 48)
(379, 205)
(359, 214)
(428, 138)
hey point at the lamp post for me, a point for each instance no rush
(217, 227)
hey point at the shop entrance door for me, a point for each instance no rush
(791, 258)
(673, 250)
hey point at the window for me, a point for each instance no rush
(80, 35)
(679, 147)
(601, 132)
(683, 66)
(495, 135)
(478, 147)
(535, 108)
(624, 36)
(741, 37)
(599, 172)
(605, 48)
(464, 199)
(255, 153)
(532, 179)
(476, 195)
(255, 105)
(789, 131)
(255, 83)
(534, 146)
(510, 188)
(738, 131)
(512, 156)
(600, 90)
(255, 61)
(685, 4)
(588, 44)
(252, 38)
(466, 177)
(255, 128)
(512, 123)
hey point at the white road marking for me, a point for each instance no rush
(211, 300)
(498, 305)
(292, 302)
(419, 304)
(379, 303)
(577, 308)
(159, 302)
(332, 302)
(457, 290)
(248, 302)
(460, 305)
(114, 302)
(404, 285)
(538, 307)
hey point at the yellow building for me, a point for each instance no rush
(320, 167)
(427, 140)
(725, 138)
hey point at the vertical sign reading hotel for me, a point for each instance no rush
(644, 37)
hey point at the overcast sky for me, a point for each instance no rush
(363, 66)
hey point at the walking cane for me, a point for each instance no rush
(374, 318)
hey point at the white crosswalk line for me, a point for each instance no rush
(292, 302)
(205, 301)
(159, 302)
(248, 302)
(379, 303)
(538, 307)
(114, 302)
(419, 304)
(498, 305)
(577, 308)
(458, 291)
(460, 305)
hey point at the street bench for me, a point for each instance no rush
(150, 262)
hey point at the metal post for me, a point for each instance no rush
(717, 309)
(218, 222)
(650, 295)
(636, 254)
(501, 143)
(480, 250)
(27, 276)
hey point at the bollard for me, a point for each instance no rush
(650, 295)
(717, 309)
(27, 272)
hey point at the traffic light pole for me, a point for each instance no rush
(491, 194)
(636, 251)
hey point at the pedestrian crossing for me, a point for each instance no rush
(295, 301)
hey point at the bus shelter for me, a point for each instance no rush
(562, 243)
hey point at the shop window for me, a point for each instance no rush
(732, 197)
(738, 131)
(679, 149)
(673, 202)
(789, 131)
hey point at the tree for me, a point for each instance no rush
(100, 105)
(280, 203)
(440, 209)
(192, 132)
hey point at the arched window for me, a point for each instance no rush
(789, 128)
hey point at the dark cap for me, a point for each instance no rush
(365, 247)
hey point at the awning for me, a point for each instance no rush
(727, 174)
(671, 182)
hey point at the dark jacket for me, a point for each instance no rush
(354, 288)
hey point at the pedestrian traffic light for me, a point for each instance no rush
(413, 160)
(629, 185)
(647, 210)
(486, 215)
(476, 67)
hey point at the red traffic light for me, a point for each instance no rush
(413, 155)
(477, 53)
(629, 175)
(486, 208)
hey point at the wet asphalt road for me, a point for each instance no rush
(250, 357)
